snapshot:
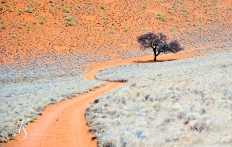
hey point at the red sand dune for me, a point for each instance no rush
(102, 27)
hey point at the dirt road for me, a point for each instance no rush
(63, 124)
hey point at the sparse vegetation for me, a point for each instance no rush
(20, 26)
(51, 91)
(199, 18)
(12, 138)
(13, 36)
(20, 12)
(66, 10)
(171, 29)
(126, 30)
(3, 27)
(161, 17)
(28, 10)
(169, 100)
(8, 8)
(70, 21)
(102, 7)
(170, 10)
(106, 18)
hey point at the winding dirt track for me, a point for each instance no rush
(64, 124)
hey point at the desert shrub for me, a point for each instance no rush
(20, 12)
(13, 36)
(170, 9)
(28, 10)
(172, 29)
(3, 27)
(126, 30)
(161, 17)
(9, 9)
(102, 7)
(66, 10)
(106, 18)
(70, 21)
(20, 27)
(199, 18)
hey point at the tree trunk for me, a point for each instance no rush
(155, 55)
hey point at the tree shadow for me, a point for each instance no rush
(152, 61)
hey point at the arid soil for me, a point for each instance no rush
(40, 31)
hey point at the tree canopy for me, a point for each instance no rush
(159, 44)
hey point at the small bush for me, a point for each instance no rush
(66, 10)
(126, 30)
(199, 18)
(70, 21)
(170, 9)
(3, 27)
(1, 21)
(13, 36)
(8, 8)
(102, 7)
(105, 18)
(12, 138)
(171, 29)
(29, 10)
(50, 1)
(161, 17)
(20, 27)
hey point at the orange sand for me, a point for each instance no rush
(103, 27)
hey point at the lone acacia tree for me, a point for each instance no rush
(158, 42)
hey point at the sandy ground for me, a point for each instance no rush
(103, 28)
(56, 126)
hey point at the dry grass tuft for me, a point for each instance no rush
(177, 103)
